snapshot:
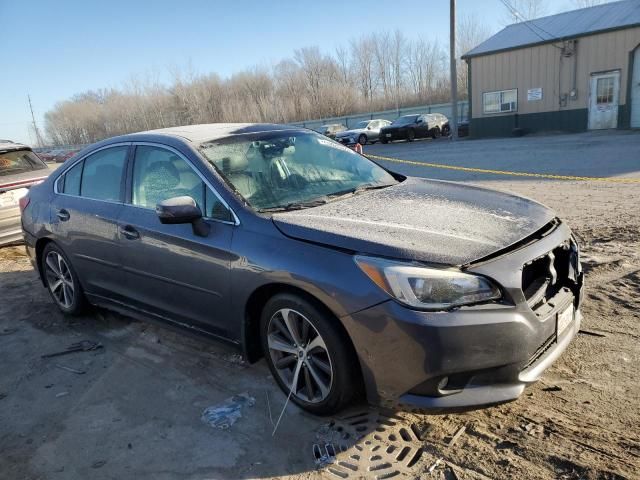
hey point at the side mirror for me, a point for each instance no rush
(182, 210)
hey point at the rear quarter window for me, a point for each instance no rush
(72, 180)
(99, 176)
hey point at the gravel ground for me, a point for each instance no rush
(135, 411)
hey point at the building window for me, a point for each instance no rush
(500, 102)
(604, 90)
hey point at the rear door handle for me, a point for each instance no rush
(129, 232)
(63, 215)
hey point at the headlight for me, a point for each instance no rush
(427, 288)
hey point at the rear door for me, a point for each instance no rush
(422, 129)
(171, 272)
(603, 100)
(84, 211)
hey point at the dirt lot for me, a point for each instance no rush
(135, 411)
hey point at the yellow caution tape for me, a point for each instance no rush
(506, 172)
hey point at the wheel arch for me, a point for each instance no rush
(253, 309)
(41, 243)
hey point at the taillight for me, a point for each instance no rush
(24, 202)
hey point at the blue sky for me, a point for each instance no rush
(55, 49)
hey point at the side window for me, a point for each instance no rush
(214, 208)
(159, 174)
(102, 174)
(72, 179)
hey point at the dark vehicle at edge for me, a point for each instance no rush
(293, 247)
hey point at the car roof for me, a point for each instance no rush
(6, 145)
(197, 134)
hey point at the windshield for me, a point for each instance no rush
(364, 124)
(280, 169)
(407, 119)
(19, 161)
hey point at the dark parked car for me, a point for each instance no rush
(20, 169)
(463, 128)
(331, 130)
(343, 275)
(410, 127)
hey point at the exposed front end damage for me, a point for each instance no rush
(482, 354)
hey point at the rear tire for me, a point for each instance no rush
(308, 355)
(435, 132)
(384, 141)
(362, 139)
(61, 281)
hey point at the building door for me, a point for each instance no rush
(635, 91)
(603, 100)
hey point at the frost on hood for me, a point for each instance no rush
(420, 219)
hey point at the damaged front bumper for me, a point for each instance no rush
(472, 356)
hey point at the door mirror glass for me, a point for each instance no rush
(178, 210)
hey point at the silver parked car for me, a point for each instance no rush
(20, 168)
(367, 131)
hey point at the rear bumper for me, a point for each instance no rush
(10, 229)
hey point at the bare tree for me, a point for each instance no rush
(376, 71)
(523, 10)
(588, 3)
(469, 34)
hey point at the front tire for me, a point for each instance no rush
(62, 281)
(362, 139)
(308, 355)
(383, 140)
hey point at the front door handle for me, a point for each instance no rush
(63, 215)
(129, 232)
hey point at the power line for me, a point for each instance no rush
(35, 127)
(529, 24)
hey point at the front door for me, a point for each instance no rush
(170, 271)
(603, 100)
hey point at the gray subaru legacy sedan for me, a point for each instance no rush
(346, 277)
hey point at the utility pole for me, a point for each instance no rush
(35, 127)
(453, 123)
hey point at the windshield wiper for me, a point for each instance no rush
(296, 205)
(360, 188)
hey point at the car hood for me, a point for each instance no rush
(355, 131)
(417, 219)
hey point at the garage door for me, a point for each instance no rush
(635, 91)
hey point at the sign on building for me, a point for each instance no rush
(534, 94)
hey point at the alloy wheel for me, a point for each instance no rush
(59, 279)
(300, 356)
